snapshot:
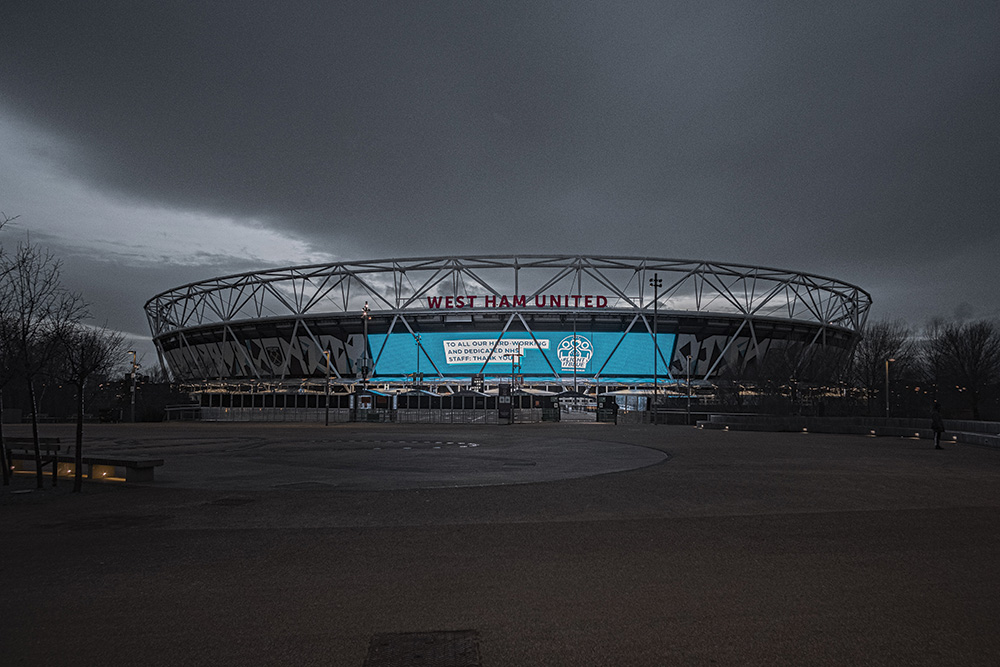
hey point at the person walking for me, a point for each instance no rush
(937, 424)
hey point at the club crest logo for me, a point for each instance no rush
(574, 352)
(274, 356)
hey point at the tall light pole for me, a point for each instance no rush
(887, 387)
(134, 366)
(576, 356)
(656, 284)
(365, 316)
(689, 389)
(416, 376)
(326, 353)
(515, 364)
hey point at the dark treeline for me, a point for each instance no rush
(893, 370)
(108, 397)
(954, 363)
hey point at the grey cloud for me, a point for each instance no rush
(823, 137)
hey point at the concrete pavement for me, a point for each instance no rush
(560, 544)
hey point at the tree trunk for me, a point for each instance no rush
(3, 447)
(34, 433)
(78, 459)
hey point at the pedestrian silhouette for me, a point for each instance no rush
(937, 423)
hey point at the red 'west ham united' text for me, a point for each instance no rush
(518, 301)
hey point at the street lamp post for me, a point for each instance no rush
(887, 387)
(134, 366)
(326, 353)
(656, 284)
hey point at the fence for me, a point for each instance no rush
(311, 415)
(400, 416)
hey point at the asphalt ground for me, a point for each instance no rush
(559, 544)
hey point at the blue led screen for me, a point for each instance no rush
(548, 353)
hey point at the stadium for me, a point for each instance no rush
(288, 338)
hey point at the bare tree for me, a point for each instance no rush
(6, 343)
(7, 369)
(158, 374)
(774, 376)
(880, 344)
(966, 355)
(85, 352)
(38, 305)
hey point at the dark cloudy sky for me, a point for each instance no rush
(155, 144)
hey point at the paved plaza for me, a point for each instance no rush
(556, 544)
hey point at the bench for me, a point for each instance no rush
(48, 448)
(101, 468)
(136, 468)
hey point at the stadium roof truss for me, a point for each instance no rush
(400, 288)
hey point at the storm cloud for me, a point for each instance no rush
(858, 140)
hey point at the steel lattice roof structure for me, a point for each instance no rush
(276, 323)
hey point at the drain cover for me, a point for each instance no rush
(459, 648)
(306, 485)
(230, 501)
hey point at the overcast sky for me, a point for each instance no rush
(156, 144)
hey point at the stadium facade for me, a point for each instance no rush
(544, 320)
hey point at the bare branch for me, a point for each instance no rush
(966, 356)
(5, 219)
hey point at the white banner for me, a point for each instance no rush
(477, 350)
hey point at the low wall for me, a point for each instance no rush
(956, 430)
